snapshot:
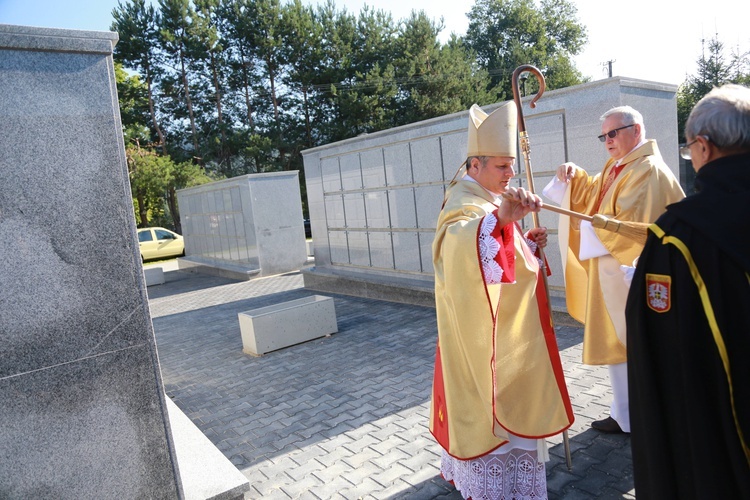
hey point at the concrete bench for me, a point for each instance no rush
(282, 325)
(153, 275)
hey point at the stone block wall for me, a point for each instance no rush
(83, 407)
(374, 199)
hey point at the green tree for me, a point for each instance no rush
(435, 79)
(132, 94)
(136, 23)
(210, 52)
(266, 32)
(236, 28)
(713, 70)
(303, 52)
(242, 86)
(366, 104)
(248, 140)
(505, 34)
(373, 43)
(154, 181)
(177, 43)
(566, 39)
(338, 31)
(741, 67)
(363, 98)
(150, 174)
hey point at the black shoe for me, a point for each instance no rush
(608, 425)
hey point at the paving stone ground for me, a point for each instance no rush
(346, 416)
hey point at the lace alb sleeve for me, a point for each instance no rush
(488, 250)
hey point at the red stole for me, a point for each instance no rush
(608, 183)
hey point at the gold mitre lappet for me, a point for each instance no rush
(494, 134)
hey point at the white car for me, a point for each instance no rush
(160, 243)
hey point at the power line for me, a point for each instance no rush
(411, 80)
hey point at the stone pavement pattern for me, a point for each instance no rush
(346, 416)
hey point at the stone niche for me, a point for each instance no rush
(244, 227)
(84, 413)
(374, 199)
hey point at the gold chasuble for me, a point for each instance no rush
(497, 368)
(594, 288)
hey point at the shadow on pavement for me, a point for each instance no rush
(177, 282)
(346, 414)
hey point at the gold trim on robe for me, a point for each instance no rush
(497, 368)
(640, 193)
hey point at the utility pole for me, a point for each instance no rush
(608, 64)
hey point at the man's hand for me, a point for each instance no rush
(567, 171)
(538, 235)
(517, 202)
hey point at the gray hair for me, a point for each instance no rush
(724, 116)
(629, 115)
(482, 161)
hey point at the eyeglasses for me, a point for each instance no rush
(612, 133)
(685, 150)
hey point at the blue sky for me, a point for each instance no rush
(649, 40)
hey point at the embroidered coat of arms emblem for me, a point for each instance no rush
(659, 292)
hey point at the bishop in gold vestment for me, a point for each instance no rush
(498, 384)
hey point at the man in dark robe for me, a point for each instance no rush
(688, 320)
